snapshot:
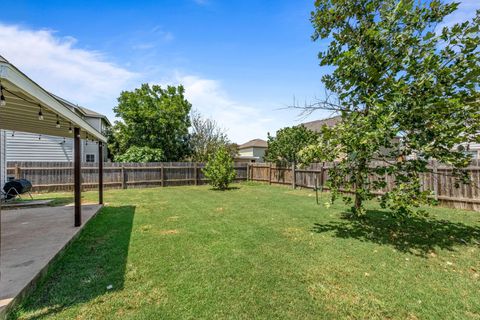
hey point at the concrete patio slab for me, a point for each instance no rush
(26, 204)
(31, 239)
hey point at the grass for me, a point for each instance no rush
(263, 252)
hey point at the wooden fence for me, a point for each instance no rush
(440, 181)
(58, 176)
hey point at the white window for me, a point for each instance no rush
(90, 157)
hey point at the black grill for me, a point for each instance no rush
(18, 186)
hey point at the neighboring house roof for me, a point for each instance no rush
(318, 124)
(82, 110)
(94, 114)
(255, 143)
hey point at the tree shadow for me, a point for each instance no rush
(95, 261)
(226, 189)
(61, 201)
(415, 235)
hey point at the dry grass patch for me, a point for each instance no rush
(167, 232)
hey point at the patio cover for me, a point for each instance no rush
(24, 100)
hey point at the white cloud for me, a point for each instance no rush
(164, 35)
(81, 76)
(466, 11)
(89, 79)
(242, 122)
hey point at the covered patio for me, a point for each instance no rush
(31, 238)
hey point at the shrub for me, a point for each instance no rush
(141, 154)
(219, 169)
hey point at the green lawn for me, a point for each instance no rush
(263, 252)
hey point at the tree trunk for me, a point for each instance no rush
(358, 204)
(359, 184)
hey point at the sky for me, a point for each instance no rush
(242, 62)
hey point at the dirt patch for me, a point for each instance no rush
(145, 227)
(293, 233)
(168, 232)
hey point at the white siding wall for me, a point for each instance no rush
(475, 150)
(247, 152)
(91, 147)
(3, 160)
(22, 146)
(253, 152)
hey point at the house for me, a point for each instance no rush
(332, 122)
(23, 146)
(472, 149)
(317, 125)
(252, 151)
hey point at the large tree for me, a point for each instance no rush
(396, 73)
(206, 138)
(284, 147)
(153, 117)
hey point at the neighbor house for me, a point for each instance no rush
(332, 122)
(472, 149)
(23, 146)
(318, 124)
(252, 151)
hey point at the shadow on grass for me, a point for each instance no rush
(226, 189)
(94, 261)
(61, 201)
(416, 235)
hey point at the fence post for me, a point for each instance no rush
(195, 172)
(322, 171)
(270, 173)
(435, 179)
(124, 180)
(294, 176)
(161, 175)
(17, 171)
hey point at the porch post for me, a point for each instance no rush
(100, 172)
(77, 178)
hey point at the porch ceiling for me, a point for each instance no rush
(24, 98)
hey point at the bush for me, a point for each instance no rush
(141, 154)
(219, 169)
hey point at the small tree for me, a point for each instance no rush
(220, 170)
(141, 154)
(288, 142)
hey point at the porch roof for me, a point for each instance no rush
(25, 98)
